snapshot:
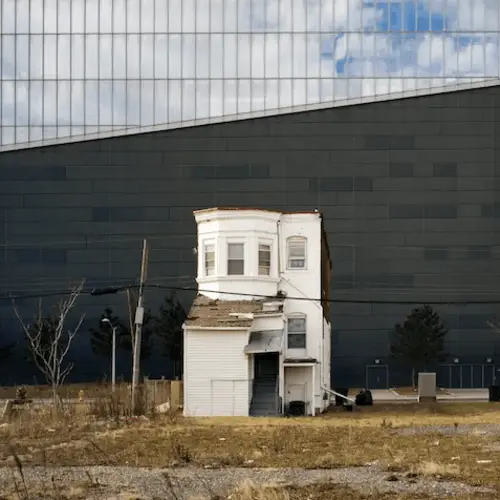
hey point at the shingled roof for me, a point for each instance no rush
(209, 313)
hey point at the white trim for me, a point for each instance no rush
(296, 238)
(405, 94)
(269, 244)
(216, 328)
(296, 315)
(212, 243)
(269, 315)
(313, 396)
(240, 277)
(298, 365)
(236, 241)
(215, 213)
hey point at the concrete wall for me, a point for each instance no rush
(409, 190)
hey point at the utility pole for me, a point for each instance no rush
(113, 353)
(139, 319)
(131, 301)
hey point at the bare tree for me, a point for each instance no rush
(49, 340)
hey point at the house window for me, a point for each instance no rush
(235, 259)
(209, 260)
(296, 246)
(264, 260)
(297, 332)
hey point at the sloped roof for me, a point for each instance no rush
(210, 313)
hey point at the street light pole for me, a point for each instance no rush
(113, 353)
(139, 319)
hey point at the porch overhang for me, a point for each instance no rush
(267, 341)
(300, 362)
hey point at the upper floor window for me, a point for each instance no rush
(264, 260)
(296, 248)
(209, 258)
(296, 330)
(235, 259)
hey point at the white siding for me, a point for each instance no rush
(298, 385)
(216, 373)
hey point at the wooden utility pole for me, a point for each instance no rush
(139, 319)
(132, 304)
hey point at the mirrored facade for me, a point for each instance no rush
(76, 67)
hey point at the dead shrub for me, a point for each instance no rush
(178, 450)
(435, 469)
(248, 490)
(281, 440)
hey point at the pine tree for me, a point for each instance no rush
(5, 347)
(169, 330)
(419, 340)
(101, 338)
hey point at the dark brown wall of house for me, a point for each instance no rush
(409, 190)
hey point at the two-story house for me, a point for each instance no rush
(257, 336)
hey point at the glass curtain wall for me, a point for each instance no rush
(75, 67)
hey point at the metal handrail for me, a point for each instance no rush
(351, 400)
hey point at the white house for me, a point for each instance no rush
(257, 336)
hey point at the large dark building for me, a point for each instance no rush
(409, 189)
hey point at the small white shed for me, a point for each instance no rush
(217, 370)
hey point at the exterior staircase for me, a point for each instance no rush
(265, 401)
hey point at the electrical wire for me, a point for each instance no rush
(88, 291)
(333, 301)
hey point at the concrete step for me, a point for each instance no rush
(263, 402)
(268, 401)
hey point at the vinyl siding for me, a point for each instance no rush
(216, 373)
(298, 384)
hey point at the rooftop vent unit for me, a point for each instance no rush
(242, 315)
(272, 306)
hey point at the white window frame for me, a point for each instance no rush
(259, 264)
(290, 242)
(228, 244)
(301, 333)
(206, 246)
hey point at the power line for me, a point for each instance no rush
(333, 301)
(32, 283)
(62, 292)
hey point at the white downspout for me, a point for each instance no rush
(281, 385)
(279, 247)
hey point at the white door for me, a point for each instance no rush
(222, 398)
(296, 392)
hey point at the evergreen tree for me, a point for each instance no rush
(169, 330)
(6, 348)
(419, 340)
(101, 338)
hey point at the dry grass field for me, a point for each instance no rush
(390, 452)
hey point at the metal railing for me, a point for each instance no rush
(334, 393)
(277, 396)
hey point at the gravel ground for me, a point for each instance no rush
(479, 429)
(186, 483)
